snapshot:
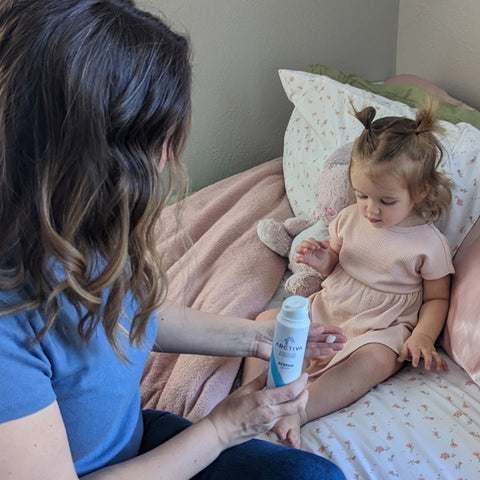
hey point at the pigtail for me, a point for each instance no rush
(431, 152)
(366, 117)
(426, 118)
(366, 143)
(427, 129)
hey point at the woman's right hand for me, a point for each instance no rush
(252, 410)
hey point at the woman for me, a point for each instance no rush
(94, 102)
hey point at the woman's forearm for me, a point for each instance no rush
(185, 330)
(181, 457)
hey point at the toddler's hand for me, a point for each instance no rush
(313, 253)
(420, 346)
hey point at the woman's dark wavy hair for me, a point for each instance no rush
(92, 92)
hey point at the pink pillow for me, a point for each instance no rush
(461, 335)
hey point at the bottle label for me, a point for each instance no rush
(287, 359)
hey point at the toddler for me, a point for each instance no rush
(387, 267)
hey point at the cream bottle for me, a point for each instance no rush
(289, 342)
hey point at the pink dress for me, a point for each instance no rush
(375, 291)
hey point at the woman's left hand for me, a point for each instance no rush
(317, 344)
(324, 340)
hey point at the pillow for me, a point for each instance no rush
(400, 90)
(430, 87)
(322, 121)
(461, 335)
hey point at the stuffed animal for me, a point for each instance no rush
(334, 193)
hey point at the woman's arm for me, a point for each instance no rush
(432, 317)
(246, 413)
(185, 330)
(36, 447)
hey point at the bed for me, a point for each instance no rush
(415, 425)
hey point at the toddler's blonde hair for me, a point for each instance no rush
(408, 150)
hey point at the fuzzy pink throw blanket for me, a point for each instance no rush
(226, 270)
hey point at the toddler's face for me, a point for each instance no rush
(383, 203)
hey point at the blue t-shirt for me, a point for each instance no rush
(97, 392)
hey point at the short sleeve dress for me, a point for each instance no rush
(375, 291)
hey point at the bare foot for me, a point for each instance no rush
(287, 430)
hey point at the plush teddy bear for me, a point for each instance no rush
(334, 192)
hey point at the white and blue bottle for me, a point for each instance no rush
(289, 341)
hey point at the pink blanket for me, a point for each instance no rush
(226, 270)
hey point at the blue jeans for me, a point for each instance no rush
(255, 459)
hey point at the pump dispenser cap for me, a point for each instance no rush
(295, 308)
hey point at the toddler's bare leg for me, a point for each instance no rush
(340, 386)
(253, 367)
(349, 380)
